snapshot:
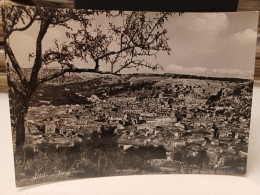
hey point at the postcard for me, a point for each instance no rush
(110, 93)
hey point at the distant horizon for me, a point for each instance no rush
(143, 73)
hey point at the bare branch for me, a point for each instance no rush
(38, 56)
(138, 36)
(14, 87)
(64, 71)
(15, 64)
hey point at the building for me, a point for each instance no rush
(50, 128)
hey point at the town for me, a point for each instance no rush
(189, 114)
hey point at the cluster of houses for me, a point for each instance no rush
(177, 116)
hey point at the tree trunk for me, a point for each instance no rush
(112, 68)
(97, 66)
(20, 133)
(20, 112)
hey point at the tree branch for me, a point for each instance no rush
(53, 76)
(14, 87)
(38, 57)
(15, 64)
(7, 34)
(64, 71)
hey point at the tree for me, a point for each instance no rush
(126, 42)
(202, 159)
(136, 37)
(17, 19)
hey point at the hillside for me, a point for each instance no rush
(76, 88)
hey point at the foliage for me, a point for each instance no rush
(236, 164)
(97, 156)
(201, 159)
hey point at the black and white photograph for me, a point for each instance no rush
(110, 93)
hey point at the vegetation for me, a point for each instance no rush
(199, 159)
(97, 156)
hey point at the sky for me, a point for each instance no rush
(206, 44)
